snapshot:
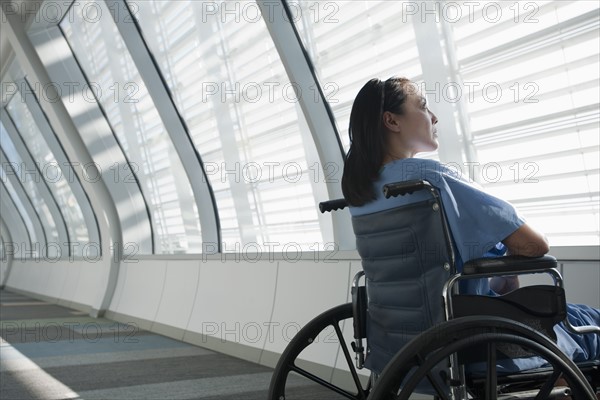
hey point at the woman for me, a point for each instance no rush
(389, 124)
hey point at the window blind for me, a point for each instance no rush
(230, 86)
(529, 78)
(51, 172)
(110, 70)
(532, 74)
(30, 183)
(18, 202)
(350, 42)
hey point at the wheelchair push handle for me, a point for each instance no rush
(389, 190)
(332, 205)
(402, 188)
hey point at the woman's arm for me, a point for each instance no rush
(526, 241)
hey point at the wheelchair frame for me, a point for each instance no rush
(444, 342)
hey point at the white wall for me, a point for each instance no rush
(73, 283)
(217, 302)
(582, 282)
(250, 309)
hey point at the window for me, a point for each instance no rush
(532, 74)
(230, 86)
(529, 73)
(52, 173)
(132, 114)
(18, 202)
(30, 184)
(350, 42)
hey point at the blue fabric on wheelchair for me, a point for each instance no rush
(579, 348)
(478, 222)
(404, 275)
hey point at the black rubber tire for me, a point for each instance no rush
(435, 346)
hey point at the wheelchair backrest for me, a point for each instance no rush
(406, 258)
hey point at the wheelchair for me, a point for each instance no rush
(416, 333)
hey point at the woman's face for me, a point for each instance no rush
(414, 130)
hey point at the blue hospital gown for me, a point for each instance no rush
(479, 222)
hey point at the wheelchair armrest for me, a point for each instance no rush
(512, 265)
(508, 265)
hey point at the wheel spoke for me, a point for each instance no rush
(434, 381)
(322, 382)
(544, 392)
(287, 367)
(443, 395)
(361, 391)
(491, 381)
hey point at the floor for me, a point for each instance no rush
(52, 352)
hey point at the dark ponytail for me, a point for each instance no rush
(367, 137)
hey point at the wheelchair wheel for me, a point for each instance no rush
(284, 383)
(424, 361)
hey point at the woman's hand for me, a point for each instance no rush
(504, 284)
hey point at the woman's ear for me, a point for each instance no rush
(391, 122)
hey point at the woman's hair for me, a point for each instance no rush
(368, 138)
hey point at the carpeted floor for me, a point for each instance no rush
(52, 352)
